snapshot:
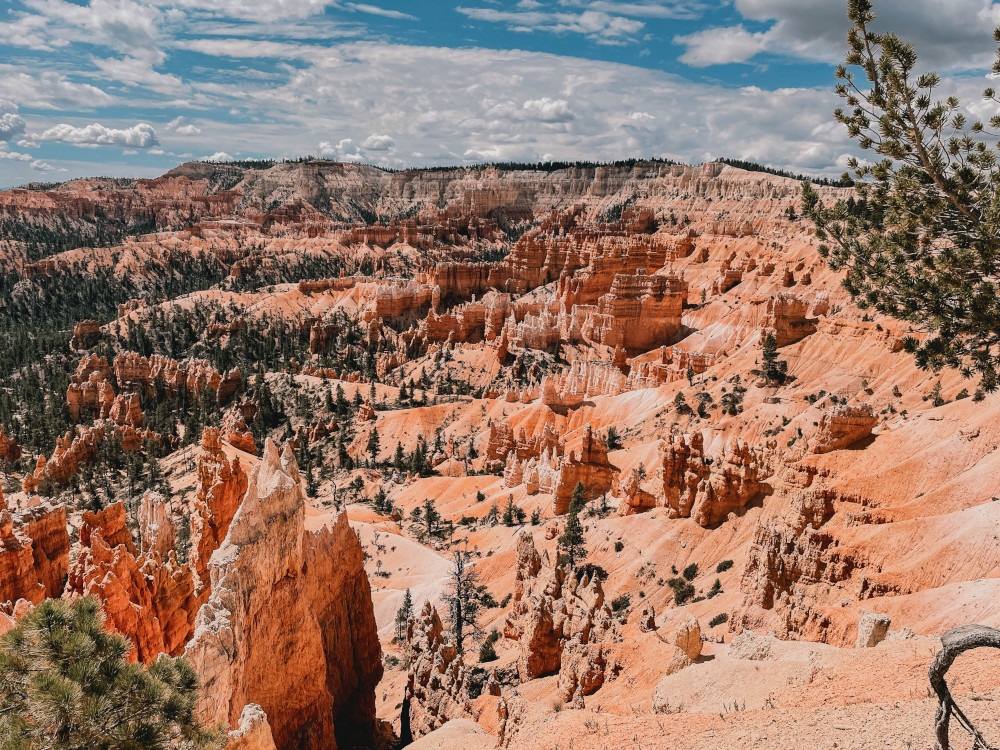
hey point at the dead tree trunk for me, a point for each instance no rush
(953, 643)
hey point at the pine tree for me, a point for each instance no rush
(681, 404)
(572, 539)
(372, 445)
(923, 242)
(510, 512)
(612, 440)
(463, 598)
(65, 682)
(312, 486)
(343, 457)
(341, 403)
(772, 369)
(403, 615)
(431, 516)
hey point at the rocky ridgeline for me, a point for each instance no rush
(436, 687)
(222, 485)
(704, 488)
(559, 619)
(34, 554)
(149, 597)
(279, 589)
(257, 583)
(194, 377)
(585, 461)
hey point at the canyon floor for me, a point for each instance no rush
(780, 513)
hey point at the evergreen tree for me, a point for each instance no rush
(681, 404)
(432, 518)
(403, 615)
(572, 539)
(66, 683)
(923, 242)
(341, 403)
(509, 511)
(372, 445)
(772, 369)
(463, 598)
(312, 486)
(343, 457)
(612, 440)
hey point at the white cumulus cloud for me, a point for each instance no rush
(181, 126)
(549, 110)
(141, 135)
(11, 126)
(378, 143)
(718, 46)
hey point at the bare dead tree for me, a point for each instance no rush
(954, 643)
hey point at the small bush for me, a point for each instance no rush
(691, 571)
(619, 545)
(475, 682)
(682, 590)
(718, 620)
(621, 603)
(487, 652)
(488, 601)
(723, 566)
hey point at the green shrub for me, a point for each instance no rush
(487, 652)
(682, 590)
(716, 589)
(621, 603)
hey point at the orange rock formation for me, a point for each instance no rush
(279, 589)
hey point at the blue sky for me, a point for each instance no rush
(134, 87)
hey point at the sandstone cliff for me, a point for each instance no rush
(289, 624)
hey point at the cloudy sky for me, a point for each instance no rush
(133, 87)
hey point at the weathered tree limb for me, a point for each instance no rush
(954, 643)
